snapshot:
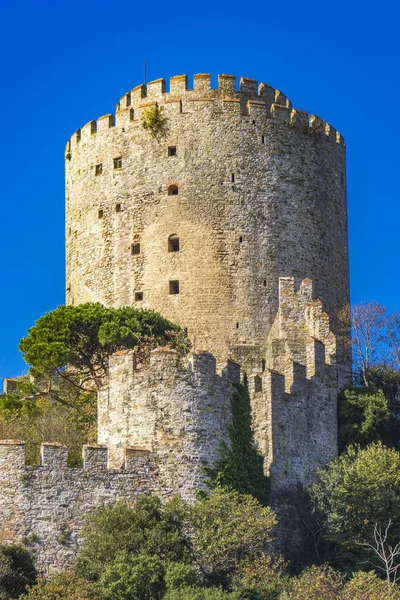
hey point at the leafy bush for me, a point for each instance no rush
(131, 577)
(154, 121)
(363, 417)
(261, 577)
(63, 587)
(358, 489)
(150, 528)
(316, 583)
(367, 586)
(16, 571)
(229, 528)
(199, 593)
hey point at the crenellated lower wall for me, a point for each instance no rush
(179, 412)
(294, 400)
(45, 507)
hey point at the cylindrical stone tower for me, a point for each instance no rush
(199, 219)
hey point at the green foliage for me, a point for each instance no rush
(240, 464)
(180, 575)
(83, 336)
(316, 583)
(261, 577)
(63, 587)
(131, 577)
(324, 583)
(356, 490)
(199, 593)
(154, 121)
(229, 528)
(16, 571)
(152, 549)
(150, 529)
(363, 417)
(68, 348)
(368, 586)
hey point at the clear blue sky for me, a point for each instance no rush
(65, 63)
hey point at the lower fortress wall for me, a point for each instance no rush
(161, 422)
(45, 507)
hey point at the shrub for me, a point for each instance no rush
(63, 587)
(367, 586)
(198, 593)
(131, 577)
(358, 489)
(16, 571)
(149, 528)
(228, 528)
(316, 583)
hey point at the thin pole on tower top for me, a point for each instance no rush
(145, 74)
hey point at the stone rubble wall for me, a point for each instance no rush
(261, 194)
(45, 507)
(179, 412)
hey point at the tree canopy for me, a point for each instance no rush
(357, 490)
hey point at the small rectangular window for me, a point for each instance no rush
(131, 115)
(117, 162)
(233, 177)
(117, 208)
(98, 169)
(100, 213)
(136, 248)
(263, 139)
(78, 135)
(138, 296)
(171, 150)
(128, 99)
(174, 287)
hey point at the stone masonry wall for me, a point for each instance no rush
(177, 412)
(261, 194)
(45, 507)
(295, 398)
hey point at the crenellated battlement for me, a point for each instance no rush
(179, 410)
(45, 507)
(54, 455)
(248, 99)
(295, 398)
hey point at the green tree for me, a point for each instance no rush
(357, 490)
(149, 529)
(261, 577)
(240, 465)
(364, 417)
(199, 593)
(228, 529)
(63, 587)
(133, 577)
(68, 348)
(16, 571)
(316, 583)
(368, 586)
